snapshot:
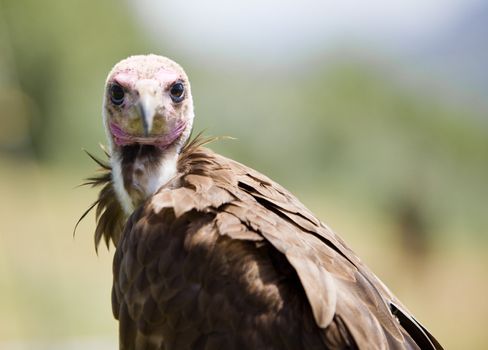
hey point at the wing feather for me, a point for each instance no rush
(223, 255)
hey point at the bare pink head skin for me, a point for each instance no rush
(147, 113)
(147, 106)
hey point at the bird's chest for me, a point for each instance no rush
(143, 170)
(141, 180)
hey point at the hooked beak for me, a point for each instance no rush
(147, 110)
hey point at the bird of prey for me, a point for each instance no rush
(211, 254)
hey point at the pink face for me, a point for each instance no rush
(147, 101)
(129, 78)
(125, 79)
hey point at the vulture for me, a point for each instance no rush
(211, 254)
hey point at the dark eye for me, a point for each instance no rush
(117, 94)
(177, 92)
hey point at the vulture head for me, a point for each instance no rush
(147, 101)
(148, 117)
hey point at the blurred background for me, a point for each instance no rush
(373, 113)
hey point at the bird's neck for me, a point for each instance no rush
(139, 171)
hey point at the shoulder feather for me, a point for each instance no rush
(110, 217)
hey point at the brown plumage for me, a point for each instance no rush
(222, 257)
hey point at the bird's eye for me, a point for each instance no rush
(177, 92)
(117, 94)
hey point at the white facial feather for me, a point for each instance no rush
(166, 172)
(118, 183)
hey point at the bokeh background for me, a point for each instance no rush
(373, 113)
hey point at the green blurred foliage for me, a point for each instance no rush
(56, 55)
(401, 174)
(349, 128)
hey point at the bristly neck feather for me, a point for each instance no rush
(139, 171)
(111, 216)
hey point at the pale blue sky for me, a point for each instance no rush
(287, 30)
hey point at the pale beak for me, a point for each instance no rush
(147, 110)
